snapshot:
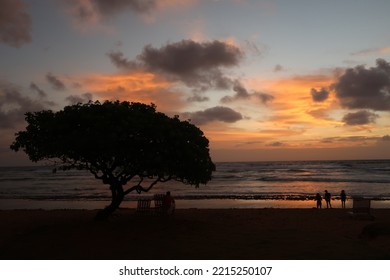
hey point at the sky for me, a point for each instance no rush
(264, 80)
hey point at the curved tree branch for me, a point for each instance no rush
(139, 189)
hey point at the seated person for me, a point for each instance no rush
(168, 204)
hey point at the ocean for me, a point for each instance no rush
(234, 185)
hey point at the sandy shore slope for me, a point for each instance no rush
(192, 234)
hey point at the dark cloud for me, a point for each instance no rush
(201, 66)
(118, 59)
(253, 48)
(319, 95)
(352, 139)
(117, 6)
(243, 94)
(35, 88)
(13, 105)
(278, 68)
(187, 57)
(248, 143)
(15, 23)
(359, 118)
(83, 98)
(264, 97)
(198, 98)
(77, 85)
(319, 113)
(276, 144)
(198, 65)
(92, 10)
(227, 99)
(218, 113)
(365, 88)
(55, 82)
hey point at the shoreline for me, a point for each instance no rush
(26, 204)
(198, 234)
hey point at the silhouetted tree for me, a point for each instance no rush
(118, 142)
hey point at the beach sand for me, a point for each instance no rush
(271, 233)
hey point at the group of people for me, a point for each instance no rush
(169, 201)
(328, 198)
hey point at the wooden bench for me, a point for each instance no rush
(143, 206)
(158, 204)
(361, 209)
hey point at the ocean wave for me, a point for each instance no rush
(322, 179)
(192, 197)
(297, 170)
(256, 180)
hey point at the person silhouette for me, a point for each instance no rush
(319, 200)
(169, 204)
(327, 199)
(343, 198)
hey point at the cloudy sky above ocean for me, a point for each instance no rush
(265, 80)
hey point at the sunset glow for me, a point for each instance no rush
(264, 80)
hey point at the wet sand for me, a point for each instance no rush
(271, 233)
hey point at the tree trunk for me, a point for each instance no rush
(117, 196)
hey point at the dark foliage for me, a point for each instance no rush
(118, 142)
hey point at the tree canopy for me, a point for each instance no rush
(118, 142)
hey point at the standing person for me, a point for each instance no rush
(169, 204)
(319, 200)
(343, 198)
(327, 199)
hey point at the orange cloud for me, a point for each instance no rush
(233, 138)
(384, 50)
(293, 103)
(293, 123)
(133, 82)
(138, 87)
(372, 51)
(291, 120)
